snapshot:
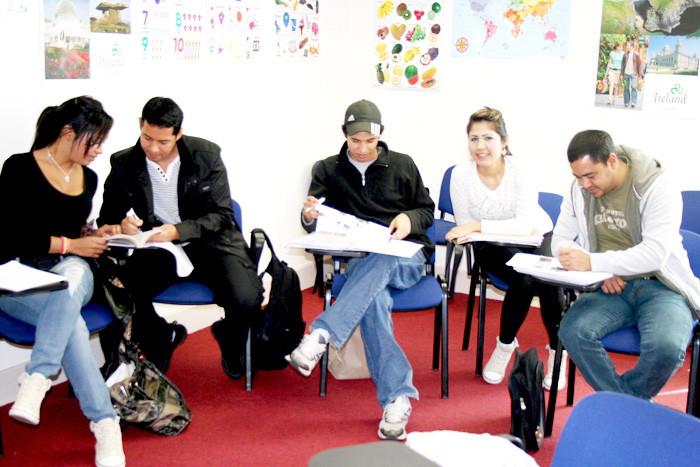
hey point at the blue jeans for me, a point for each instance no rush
(665, 323)
(631, 89)
(62, 338)
(365, 300)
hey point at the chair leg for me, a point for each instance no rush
(448, 261)
(324, 373)
(459, 251)
(551, 406)
(248, 363)
(470, 307)
(445, 351)
(318, 284)
(480, 333)
(2, 452)
(692, 407)
(571, 382)
(436, 338)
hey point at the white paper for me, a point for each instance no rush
(17, 277)
(526, 240)
(545, 267)
(336, 230)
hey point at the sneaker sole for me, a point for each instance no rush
(24, 416)
(295, 365)
(390, 436)
(493, 381)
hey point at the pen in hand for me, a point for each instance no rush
(321, 200)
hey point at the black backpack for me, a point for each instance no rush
(279, 327)
(527, 399)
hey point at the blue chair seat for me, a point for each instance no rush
(625, 340)
(421, 296)
(186, 293)
(18, 332)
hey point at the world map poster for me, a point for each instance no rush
(510, 28)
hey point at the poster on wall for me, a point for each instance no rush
(407, 44)
(233, 29)
(110, 39)
(171, 31)
(296, 29)
(66, 39)
(648, 59)
(511, 28)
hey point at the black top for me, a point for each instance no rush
(32, 210)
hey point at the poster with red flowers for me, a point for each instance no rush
(66, 39)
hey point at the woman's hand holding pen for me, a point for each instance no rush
(131, 224)
(461, 233)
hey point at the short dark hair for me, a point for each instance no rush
(163, 111)
(83, 114)
(495, 118)
(597, 144)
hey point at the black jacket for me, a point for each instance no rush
(204, 198)
(392, 185)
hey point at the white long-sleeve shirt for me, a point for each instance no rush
(511, 209)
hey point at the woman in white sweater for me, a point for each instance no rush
(492, 193)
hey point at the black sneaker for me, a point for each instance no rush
(232, 362)
(178, 336)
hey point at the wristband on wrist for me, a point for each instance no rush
(64, 245)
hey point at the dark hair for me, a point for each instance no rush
(83, 114)
(597, 144)
(494, 117)
(163, 111)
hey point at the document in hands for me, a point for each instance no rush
(548, 268)
(338, 231)
(16, 277)
(525, 240)
(140, 240)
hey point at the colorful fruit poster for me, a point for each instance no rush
(296, 29)
(233, 29)
(407, 44)
(66, 39)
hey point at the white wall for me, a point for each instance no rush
(273, 120)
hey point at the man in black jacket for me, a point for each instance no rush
(178, 184)
(371, 182)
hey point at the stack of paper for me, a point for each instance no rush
(338, 231)
(525, 240)
(545, 267)
(16, 277)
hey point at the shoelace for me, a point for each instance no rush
(311, 348)
(396, 411)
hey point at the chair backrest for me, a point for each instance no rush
(551, 203)
(607, 429)
(445, 202)
(691, 220)
(237, 213)
(691, 243)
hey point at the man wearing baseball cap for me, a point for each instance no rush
(371, 182)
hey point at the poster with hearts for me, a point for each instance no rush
(407, 44)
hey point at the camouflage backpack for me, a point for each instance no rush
(148, 398)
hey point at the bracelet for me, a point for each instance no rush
(64, 245)
(67, 246)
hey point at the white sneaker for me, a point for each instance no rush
(109, 451)
(32, 390)
(307, 354)
(394, 419)
(547, 382)
(495, 369)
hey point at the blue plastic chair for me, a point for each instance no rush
(429, 292)
(197, 293)
(691, 202)
(442, 226)
(551, 203)
(627, 340)
(606, 429)
(18, 332)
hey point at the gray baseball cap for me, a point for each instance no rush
(363, 116)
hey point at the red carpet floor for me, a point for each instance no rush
(283, 421)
